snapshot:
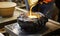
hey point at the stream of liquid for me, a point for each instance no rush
(32, 15)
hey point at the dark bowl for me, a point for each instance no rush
(32, 25)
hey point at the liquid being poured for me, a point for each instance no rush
(32, 15)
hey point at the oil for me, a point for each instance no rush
(32, 4)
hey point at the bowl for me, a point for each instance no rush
(31, 25)
(7, 9)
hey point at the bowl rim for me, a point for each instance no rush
(10, 4)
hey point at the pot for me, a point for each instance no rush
(7, 9)
(31, 25)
